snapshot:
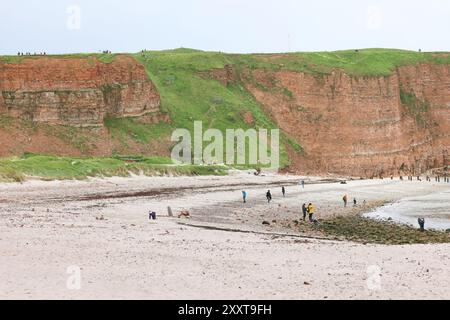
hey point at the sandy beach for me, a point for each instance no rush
(224, 251)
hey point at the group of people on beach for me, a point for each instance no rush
(31, 54)
(345, 200)
(268, 195)
(427, 178)
(307, 210)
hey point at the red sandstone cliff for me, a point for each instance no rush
(346, 124)
(361, 125)
(75, 91)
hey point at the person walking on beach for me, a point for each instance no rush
(303, 184)
(283, 190)
(354, 202)
(421, 224)
(345, 199)
(244, 196)
(305, 211)
(268, 196)
(310, 210)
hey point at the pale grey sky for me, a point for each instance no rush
(65, 26)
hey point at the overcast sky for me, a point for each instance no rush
(65, 26)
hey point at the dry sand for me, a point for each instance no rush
(46, 227)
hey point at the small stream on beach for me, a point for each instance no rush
(435, 208)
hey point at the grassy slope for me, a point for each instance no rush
(51, 167)
(188, 97)
(123, 129)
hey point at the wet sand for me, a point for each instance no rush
(434, 208)
(102, 227)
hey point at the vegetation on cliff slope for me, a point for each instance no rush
(415, 106)
(62, 168)
(124, 128)
(187, 96)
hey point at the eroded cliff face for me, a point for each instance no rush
(75, 91)
(359, 126)
(365, 126)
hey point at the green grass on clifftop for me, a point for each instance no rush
(102, 57)
(365, 62)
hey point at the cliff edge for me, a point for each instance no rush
(367, 113)
(368, 126)
(75, 91)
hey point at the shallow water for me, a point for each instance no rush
(435, 208)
